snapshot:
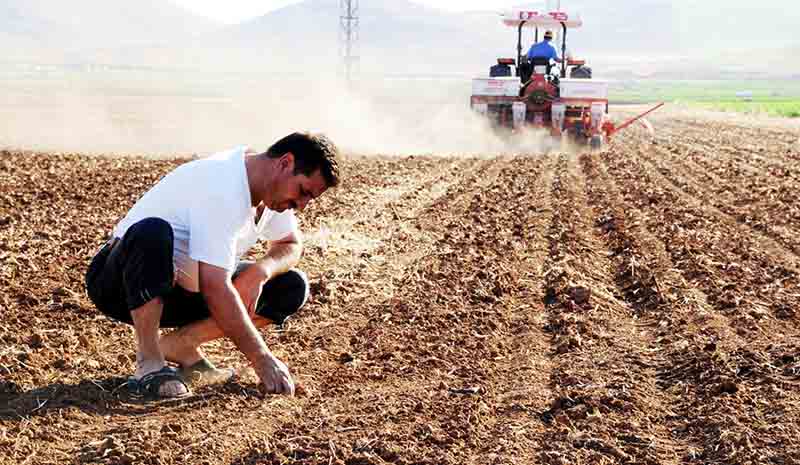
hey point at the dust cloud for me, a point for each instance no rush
(171, 113)
(249, 84)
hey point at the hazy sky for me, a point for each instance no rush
(232, 11)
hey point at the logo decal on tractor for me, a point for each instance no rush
(556, 15)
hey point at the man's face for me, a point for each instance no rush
(294, 191)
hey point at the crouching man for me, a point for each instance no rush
(174, 260)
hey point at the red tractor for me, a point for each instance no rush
(540, 95)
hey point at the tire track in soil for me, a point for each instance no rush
(662, 305)
(740, 383)
(528, 369)
(607, 405)
(507, 283)
(725, 198)
(677, 314)
(501, 332)
(518, 386)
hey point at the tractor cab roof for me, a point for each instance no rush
(541, 19)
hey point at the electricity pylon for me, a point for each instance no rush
(348, 36)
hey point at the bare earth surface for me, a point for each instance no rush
(638, 305)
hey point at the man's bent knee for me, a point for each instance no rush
(134, 270)
(282, 296)
(148, 270)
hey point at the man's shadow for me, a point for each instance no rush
(109, 396)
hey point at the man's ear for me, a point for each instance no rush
(287, 162)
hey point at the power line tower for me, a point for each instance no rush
(348, 36)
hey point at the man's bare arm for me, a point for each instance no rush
(228, 311)
(281, 256)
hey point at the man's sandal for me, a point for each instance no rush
(204, 372)
(150, 384)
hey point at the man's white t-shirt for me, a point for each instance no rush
(207, 202)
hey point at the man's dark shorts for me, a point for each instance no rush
(127, 273)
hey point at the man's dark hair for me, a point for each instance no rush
(311, 152)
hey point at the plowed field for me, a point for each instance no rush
(637, 305)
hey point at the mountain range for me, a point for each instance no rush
(52, 31)
(395, 36)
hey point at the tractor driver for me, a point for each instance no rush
(544, 49)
